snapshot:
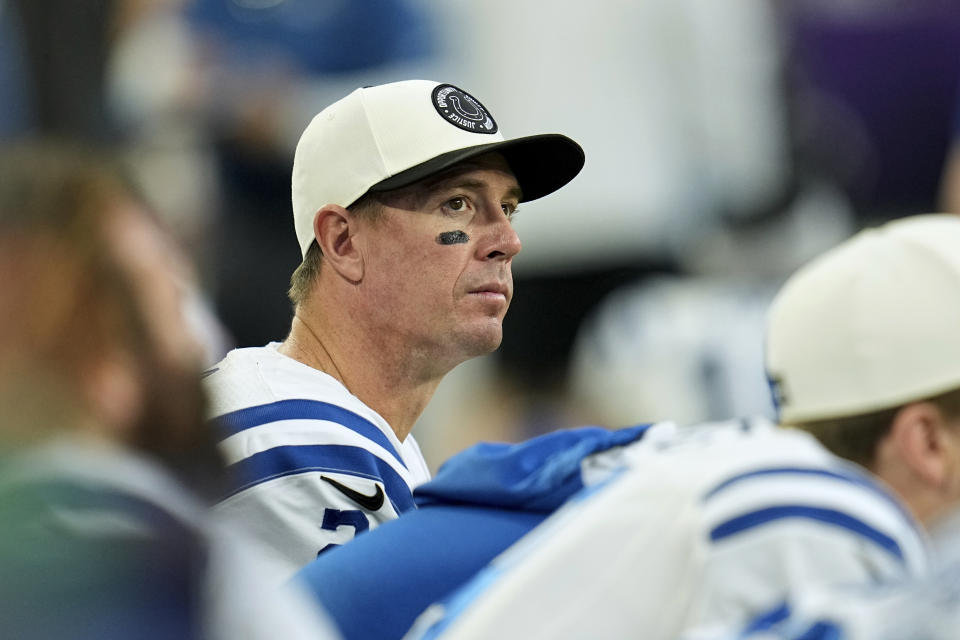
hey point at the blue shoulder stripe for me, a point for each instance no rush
(822, 630)
(768, 620)
(280, 462)
(242, 419)
(832, 517)
(778, 622)
(849, 476)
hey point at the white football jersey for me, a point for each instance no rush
(915, 610)
(704, 524)
(927, 608)
(313, 465)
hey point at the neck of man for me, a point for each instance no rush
(385, 378)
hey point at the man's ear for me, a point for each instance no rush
(334, 228)
(919, 435)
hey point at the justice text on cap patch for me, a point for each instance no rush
(462, 110)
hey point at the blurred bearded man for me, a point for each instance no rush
(103, 527)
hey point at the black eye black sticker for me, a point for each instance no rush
(453, 237)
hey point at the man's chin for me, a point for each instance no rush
(484, 340)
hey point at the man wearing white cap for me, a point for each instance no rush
(402, 196)
(707, 526)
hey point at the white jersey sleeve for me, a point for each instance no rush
(708, 523)
(777, 527)
(927, 609)
(312, 464)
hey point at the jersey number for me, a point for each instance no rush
(333, 518)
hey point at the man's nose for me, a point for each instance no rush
(504, 243)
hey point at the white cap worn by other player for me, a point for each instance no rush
(392, 135)
(871, 324)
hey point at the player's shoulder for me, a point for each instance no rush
(744, 476)
(797, 489)
(753, 461)
(237, 381)
(251, 375)
(712, 450)
(254, 376)
(281, 421)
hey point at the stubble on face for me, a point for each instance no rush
(446, 297)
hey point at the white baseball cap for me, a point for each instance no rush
(872, 324)
(392, 135)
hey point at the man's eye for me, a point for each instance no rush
(509, 209)
(457, 204)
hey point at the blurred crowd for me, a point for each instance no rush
(727, 143)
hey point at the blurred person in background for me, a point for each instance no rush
(707, 526)
(257, 71)
(76, 69)
(800, 122)
(925, 608)
(125, 75)
(205, 99)
(106, 465)
(862, 94)
(682, 348)
(54, 55)
(403, 196)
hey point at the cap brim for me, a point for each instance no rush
(541, 163)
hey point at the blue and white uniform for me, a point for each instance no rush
(482, 501)
(925, 608)
(313, 464)
(918, 609)
(706, 525)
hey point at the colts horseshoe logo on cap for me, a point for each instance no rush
(462, 110)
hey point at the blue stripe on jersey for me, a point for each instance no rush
(828, 516)
(768, 620)
(819, 630)
(778, 623)
(822, 630)
(242, 419)
(280, 462)
(849, 476)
